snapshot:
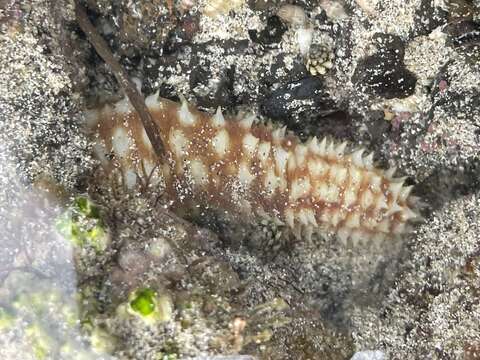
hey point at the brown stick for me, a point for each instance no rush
(136, 99)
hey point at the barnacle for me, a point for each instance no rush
(319, 60)
(292, 14)
(255, 170)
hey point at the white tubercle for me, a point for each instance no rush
(247, 122)
(281, 157)
(368, 161)
(278, 134)
(313, 145)
(178, 142)
(152, 102)
(123, 106)
(264, 152)
(390, 172)
(221, 142)
(322, 147)
(121, 142)
(395, 189)
(199, 172)
(218, 120)
(357, 157)
(185, 117)
(405, 193)
(249, 143)
(340, 150)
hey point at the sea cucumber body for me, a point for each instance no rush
(248, 169)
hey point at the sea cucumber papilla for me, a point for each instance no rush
(250, 169)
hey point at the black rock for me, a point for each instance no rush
(303, 99)
(272, 33)
(427, 18)
(464, 33)
(384, 73)
(221, 95)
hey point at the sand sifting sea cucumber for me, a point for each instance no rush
(249, 169)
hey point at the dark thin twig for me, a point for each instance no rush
(136, 99)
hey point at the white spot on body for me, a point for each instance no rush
(185, 117)
(153, 103)
(300, 154)
(340, 175)
(123, 106)
(249, 143)
(395, 188)
(375, 183)
(357, 157)
(247, 122)
(332, 195)
(271, 181)
(218, 120)
(178, 143)
(101, 152)
(353, 220)
(349, 197)
(199, 172)
(278, 135)
(263, 152)
(322, 191)
(317, 167)
(304, 39)
(281, 157)
(244, 174)
(355, 177)
(335, 217)
(321, 149)
(299, 188)
(221, 142)
(121, 142)
(130, 178)
(367, 199)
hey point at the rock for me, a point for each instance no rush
(210, 93)
(428, 17)
(384, 73)
(302, 99)
(464, 33)
(272, 33)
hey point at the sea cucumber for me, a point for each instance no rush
(249, 169)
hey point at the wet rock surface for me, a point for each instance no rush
(384, 73)
(298, 101)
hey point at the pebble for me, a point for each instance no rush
(305, 98)
(384, 73)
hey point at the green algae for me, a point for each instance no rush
(149, 305)
(144, 302)
(83, 226)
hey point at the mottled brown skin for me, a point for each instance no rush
(358, 218)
